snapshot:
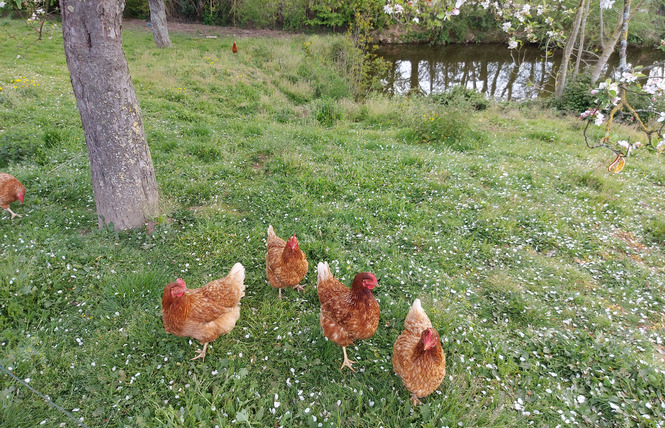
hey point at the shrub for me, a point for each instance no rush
(326, 111)
(576, 95)
(461, 97)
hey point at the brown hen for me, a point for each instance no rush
(418, 357)
(347, 315)
(10, 190)
(286, 264)
(204, 313)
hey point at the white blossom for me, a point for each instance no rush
(606, 4)
(519, 404)
(600, 118)
(628, 77)
(623, 143)
(661, 145)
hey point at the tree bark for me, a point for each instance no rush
(123, 177)
(567, 52)
(580, 46)
(610, 45)
(601, 25)
(160, 29)
(624, 36)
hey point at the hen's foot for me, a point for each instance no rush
(347, 362)
(414, 400)
(299, 288)
(201, 353)
(13, 214)
(280, 293)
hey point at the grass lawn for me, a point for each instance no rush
(543, 273)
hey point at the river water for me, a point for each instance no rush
(492, 69)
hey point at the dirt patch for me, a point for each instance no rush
(631, 241)
(204, 31)
(659, 354)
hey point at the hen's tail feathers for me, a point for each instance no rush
(324, 273)
(417, 318)
(271, 232)
(237, 275)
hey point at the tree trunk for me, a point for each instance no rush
(611, 44)
(580, 46)
(601, 25)
(567, 52)
(123, 178)
(160, 29)
(624, 36)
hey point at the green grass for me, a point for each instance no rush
(542, 272)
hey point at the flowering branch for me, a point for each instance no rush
(36, 18)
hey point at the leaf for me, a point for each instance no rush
(617, 164)
(242, 416)
(28, 289)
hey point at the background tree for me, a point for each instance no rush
(568, 49)
(160, 29)
(608, 45)
(123, 177)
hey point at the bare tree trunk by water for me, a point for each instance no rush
(580, 46)
(562, 75)
(624, 36)
(610, 45)
(123, 178)
(601, 25)
(160, 29)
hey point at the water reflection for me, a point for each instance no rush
(491, 69)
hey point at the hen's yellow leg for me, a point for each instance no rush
(347, 362)
(202, 352)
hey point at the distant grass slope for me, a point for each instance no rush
(542, 272)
